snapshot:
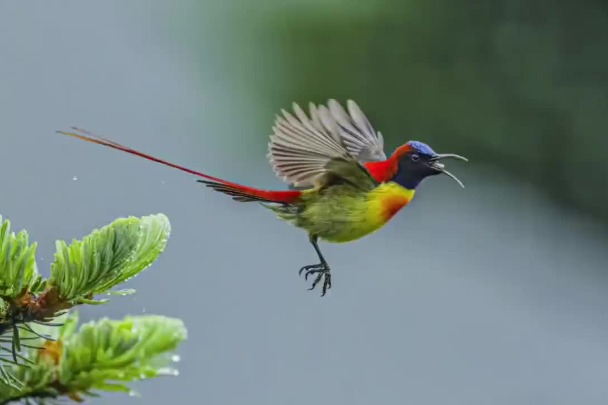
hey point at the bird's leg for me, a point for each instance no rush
(321, 269)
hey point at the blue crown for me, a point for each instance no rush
(422, 148)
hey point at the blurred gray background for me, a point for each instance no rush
(493, 294)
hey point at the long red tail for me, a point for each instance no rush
(237, 191)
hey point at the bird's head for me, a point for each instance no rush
(416, 161)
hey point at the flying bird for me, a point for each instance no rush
(342, 186)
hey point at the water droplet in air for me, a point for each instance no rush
(175, 358)
(75, 178)
(168, 371)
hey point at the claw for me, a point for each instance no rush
(326, 284)
(322, 269)
(322, 272)
(314, 283)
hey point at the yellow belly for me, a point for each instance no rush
(346, 215)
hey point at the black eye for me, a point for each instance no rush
(415, 158)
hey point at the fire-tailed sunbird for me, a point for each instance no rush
(341, 184)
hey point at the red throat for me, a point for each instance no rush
(385, 170)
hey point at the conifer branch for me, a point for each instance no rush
(100, 356)
(42, 355)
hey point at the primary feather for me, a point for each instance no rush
(301, 147)
(357, 133)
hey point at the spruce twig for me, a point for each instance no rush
(58, 361)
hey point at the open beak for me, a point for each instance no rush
(434, 163)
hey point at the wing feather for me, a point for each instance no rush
(302, 146)
(357, 133)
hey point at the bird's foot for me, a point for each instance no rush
(322, 272)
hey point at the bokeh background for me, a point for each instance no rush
(493, 294)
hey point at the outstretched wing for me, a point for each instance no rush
(301, 147)
(357, 133)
